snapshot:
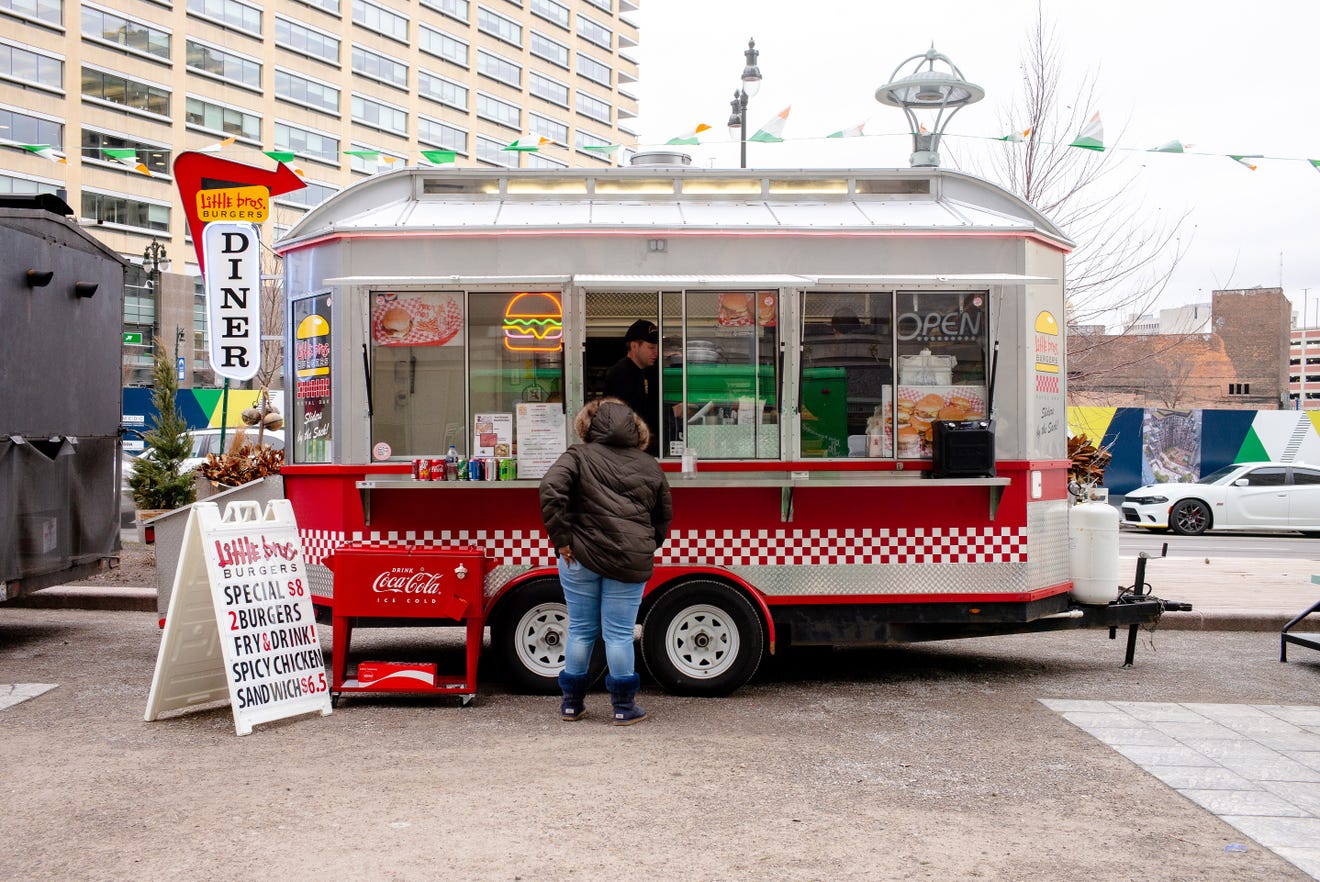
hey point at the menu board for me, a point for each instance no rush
(540, 438)
(492, 435)
(313, 378)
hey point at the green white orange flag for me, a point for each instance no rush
(1315, 164)
(529, 143)
(1092, 135)
(1243, 160)
(363, 154)
(1016, 137)
(218, 145)
(692, 137)
(773, 131)
(126, 156)
(440, 157)
(45, 151)
(286, 157)
(854, 132)
(1170, 147)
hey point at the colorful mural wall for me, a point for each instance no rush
(201, 408)
(1149, 445)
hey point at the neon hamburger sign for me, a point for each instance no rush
(534, 322)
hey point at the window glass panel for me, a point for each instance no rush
(381, 20)
(498, 26)
(222, 119)
(492, 151)
(544, 47)
(847, 347)
(48, 11)
(442, 45)
(551, 11)
(593, 70)
(380, 115)
(301, 90)
(456, 9)
(550, 128)
(230, 13)
(430, 131)
(499, 111)
(225, 65)
(305, 143)
(547, 89)
(593, 108)
(511, 364)
(594, 32)
(380, 67)
(500, 69)
(306, 41)
(31, 67)
(107, 26)
(1306, 476)
(1271, 477)
(442, 90)
(118, 90)
(157, 159)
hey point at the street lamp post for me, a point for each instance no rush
(153, 256)
(751, 84)
(944, 92)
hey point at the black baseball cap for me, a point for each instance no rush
(642, 329)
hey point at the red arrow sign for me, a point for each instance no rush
(195, 171)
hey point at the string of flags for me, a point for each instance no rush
(1089, 137)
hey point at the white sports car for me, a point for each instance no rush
(1246, 496)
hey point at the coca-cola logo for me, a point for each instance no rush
(406, 580)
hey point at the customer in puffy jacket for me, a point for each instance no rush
(606, 508)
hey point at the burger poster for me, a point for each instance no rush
(919, 406)
(736, 309)
(430, 318)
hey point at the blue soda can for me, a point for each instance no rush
(474, 469)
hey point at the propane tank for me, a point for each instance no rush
(1093, 548)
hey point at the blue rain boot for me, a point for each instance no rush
(622, 692)
(574, 687)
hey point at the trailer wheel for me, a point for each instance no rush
(529, 634)
(702, 638)
(1191, 517)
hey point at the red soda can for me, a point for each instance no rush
(437, 470)
(421, 469)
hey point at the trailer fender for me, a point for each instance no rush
(757, 600)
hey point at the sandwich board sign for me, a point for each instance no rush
(240, 623)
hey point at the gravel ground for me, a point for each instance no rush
(933, 761)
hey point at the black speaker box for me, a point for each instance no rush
(962, 449)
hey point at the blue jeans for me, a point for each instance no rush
(598, 606)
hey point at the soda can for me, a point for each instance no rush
(421, 469)
(508, 469)
(437, 470)
(463, 469)
(491, 468)
(474, 469)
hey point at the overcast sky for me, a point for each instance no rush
(1237, 79)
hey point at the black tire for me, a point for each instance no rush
(528, 634)
(702, 638)
(1190, 517)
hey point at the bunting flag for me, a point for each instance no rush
(528, 144)
(128, 157)
(45, 151)
(854, 132)
(1170, 147)
(1315, 164)
(363, 154)
(284, 156)
(218, 145)
(1243, 160)
(1092, 135)
(1017, 137)
(692, 137)
(773, 131)
(606, 149)
(440, 157)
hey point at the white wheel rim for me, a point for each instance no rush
(702, 642)
(540, 639)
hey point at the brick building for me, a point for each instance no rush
(1242, 363)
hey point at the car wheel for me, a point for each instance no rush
(702, 638)
(529, 635)
(1191, 517)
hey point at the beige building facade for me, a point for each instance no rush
(348, 87)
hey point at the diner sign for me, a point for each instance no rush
(233, 298)
(240, 622)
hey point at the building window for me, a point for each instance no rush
(441, 45)
(44, 11)
(594, 70)
(125, 92)
(229, 120)
(499, 27)
(330, 6)
(499, 69)
(498, 111)
(556, 13)
(309, 196)
(455, 9)
(372, 164)
(543, 47)
(156, 158)
(593, 108)
(19, 128)
(584, 140)
(224, 65)
(438, 134)
(31, 68)
(536, 160)
(313, 145)
(380, 67)
(380, 115)
(309, 93)
(105, 208)
(230, 13)
(381, 20)
(550, 128)
(547, 89)
(604, 5)
(306, 41)
(593, 32)
(493, 152)
(110, 28)
(1239, 388)
(27, 186)
(442, 91)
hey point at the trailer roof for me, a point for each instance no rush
(417, 200)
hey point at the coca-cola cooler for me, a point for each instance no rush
(376, 584)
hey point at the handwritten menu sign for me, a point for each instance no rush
(540, 437)
(240, 622)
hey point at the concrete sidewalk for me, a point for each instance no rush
(1227, 594)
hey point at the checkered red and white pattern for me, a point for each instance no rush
(730, 548)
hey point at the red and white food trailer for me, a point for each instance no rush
(836, 342)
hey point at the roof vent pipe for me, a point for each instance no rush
(661, 158)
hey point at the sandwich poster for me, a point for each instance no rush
(428, 318)
(737, 309)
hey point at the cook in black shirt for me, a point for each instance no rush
(633, 379)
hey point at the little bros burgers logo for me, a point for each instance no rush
(534, 322)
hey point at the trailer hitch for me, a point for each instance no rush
(1140, 592)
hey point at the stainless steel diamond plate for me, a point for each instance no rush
(1047, 543)
(886, 579)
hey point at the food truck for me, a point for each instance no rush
(860, 401)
